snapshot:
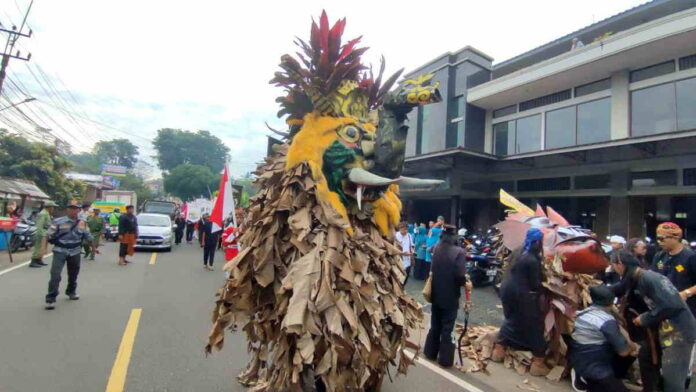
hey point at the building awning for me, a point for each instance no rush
(17, 188)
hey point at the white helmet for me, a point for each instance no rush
(461, 232)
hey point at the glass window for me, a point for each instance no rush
(653, 178)
(597, 181)
(528, 134)
(427, 125)
(686, 104)
(687, 62)
(560, 128)
(594, 121)
(653, 110)
(653, 71)
(504, 138)
(593, 87)
(505, 111)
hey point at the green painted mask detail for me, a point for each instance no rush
(335, 158)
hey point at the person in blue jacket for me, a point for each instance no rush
(431, 241)
(421, 236)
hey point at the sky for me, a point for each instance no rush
(124, 69)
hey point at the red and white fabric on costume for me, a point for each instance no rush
(229, 241)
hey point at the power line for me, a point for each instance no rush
(12, 37)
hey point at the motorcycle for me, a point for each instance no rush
(111, 233)
(23, 235)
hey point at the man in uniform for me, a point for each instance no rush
(43, 221)
(95, 224)
(67, 235)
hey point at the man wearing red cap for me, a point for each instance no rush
(676, 262)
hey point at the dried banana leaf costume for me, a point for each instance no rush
(317, 286)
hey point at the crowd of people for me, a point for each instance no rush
(78, 233)
(642, 311)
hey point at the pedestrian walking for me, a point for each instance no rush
(127, 235)
(421, 236)
(523, 327)
(95, 225)
(600, 354)
(209, 241)
(406, 244)
(677, 262)
(43, 222)
(67, 235)
(448, 277)
(180, 223)
(84, 212)
(190, 228)
(669, 312)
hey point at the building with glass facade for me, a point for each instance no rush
(603, 132)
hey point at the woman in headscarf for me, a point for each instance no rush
(523, 328)
(420, 240)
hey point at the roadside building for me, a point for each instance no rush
(604, 132)
(95, 184)
(22, 194)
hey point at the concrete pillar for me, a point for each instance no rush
(620, 105)
(618, 215)
(636, 217)
(488, 133)
(454, 211)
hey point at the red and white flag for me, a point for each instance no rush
(184, 211)
(224, 204)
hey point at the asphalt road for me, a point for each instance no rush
(74, 347)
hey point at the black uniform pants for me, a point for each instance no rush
(178, 235)
(440, 343)
(59, 261)
(209, 254)
(189, 233)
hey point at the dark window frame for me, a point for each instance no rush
(599, 82)
(514, 107)
(634, 75)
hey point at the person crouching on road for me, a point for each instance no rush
(448, 276)
(677, 326)
(67, 235)
(523, 328)
(127, 235)
(600, 349)
(209, 241)
(43, 222)
(95, 224)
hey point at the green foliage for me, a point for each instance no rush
(85, 163)
(40, 163)
(176, 147)
(119, 152)
(190, 181)
(131, 182)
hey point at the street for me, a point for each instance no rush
(74, 347)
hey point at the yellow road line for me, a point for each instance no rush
(153, 258)
(117, 379)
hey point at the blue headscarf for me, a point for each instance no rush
(533, 235)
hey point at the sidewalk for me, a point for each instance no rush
(485, 311)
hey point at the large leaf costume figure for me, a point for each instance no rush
(317, 285)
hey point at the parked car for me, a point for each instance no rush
(155, 232)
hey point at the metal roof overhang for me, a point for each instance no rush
(15, 187)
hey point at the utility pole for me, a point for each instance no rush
(12, 36)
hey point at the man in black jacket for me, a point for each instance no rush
(448, 276)
(127, 235)
(677, 326)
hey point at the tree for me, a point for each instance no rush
(132, 182)
(190, 181)
(85, 163)
(176, 147)
(119, 152)
(40, 163)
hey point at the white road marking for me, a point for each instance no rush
(3, 272)
(444, 373)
